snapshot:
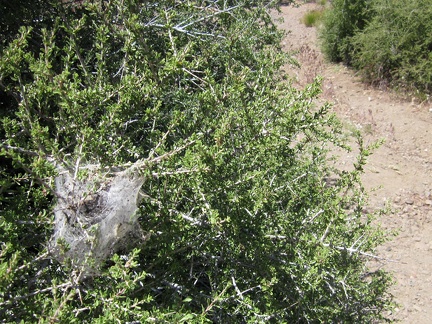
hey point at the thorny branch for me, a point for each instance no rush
(18, 149)
(39, 291)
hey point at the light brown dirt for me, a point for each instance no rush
(399, 171)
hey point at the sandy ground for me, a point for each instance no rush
(399, 173)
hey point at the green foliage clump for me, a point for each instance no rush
(244, 218)
(343, 20)
(396, 46)
(388, 41)
(312, 18)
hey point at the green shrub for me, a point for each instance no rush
(312, 18)
(340, 23)
(243, 218)
(396, 46)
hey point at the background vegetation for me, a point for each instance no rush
(388, 41)
(242, 216)
(343, 20)
(312, 18)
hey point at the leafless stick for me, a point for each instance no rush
(340, 248)
(19, 150)
(40, 291)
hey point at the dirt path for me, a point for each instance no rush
(402, 166)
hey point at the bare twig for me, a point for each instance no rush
(54, 319)
(239, 293)
(326, 231)
(203, 81)
(159, 144)
(78, 159)
(40, 257)
(313, 217)
(163, 156)
(209, 307)
(180, 171)
(40, 291)
(19, 150)
(351, 250)
(180, 27)
(194, 221)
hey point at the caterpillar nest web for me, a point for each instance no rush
(95, 216)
